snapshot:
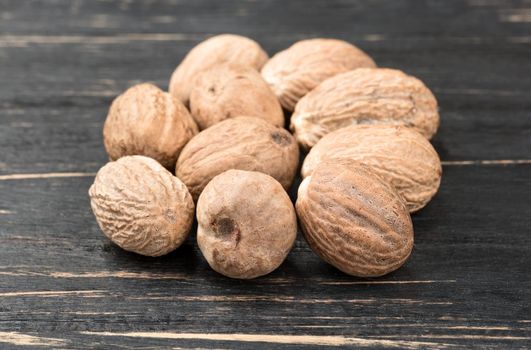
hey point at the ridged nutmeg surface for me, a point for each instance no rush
(141, 206)
(227, 91)
(225, 48)
(244, 143)
(295, 71)
(147, 121)
(399, 155)
(246, 224)
(365, 96)
(354, 220)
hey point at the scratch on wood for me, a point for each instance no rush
(459, 336)
(327, 340)
(21, 339)
(515, 16)
(87, 93)
(462, 327)
(335, 317)
(119, 274)
(485, 2)
(374, 37)
(199, 348)
(318, 326)
(486, 162)
(63, 312)
(339, 283)
(43, 176)
(520, 39)
(6, 212)
(480, 328)
(480, 92)
(286, 299)
(55, 293)
(22, 273)
(23, 40)
(163, 19)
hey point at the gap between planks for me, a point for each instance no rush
(91, 174)
(44, 176)
(25, 40)
(214, 298)
(317, 340)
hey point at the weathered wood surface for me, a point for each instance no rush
(63, 285)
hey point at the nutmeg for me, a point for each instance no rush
(297, 70)
(365, 96)
(228, 91)
(246, 224)
(141, 206)
(244, 143)
(354, 220)
(399, 155)
(147, 121)
(225, 48)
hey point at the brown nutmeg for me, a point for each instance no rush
(246, 224)
(147, 121)
(293, 72)
(141, 206)
(243, 143)
(225, 48)
(354, 220)
(365, 96)
(227, 91)
(399, 155)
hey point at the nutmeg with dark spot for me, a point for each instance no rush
(246, 224)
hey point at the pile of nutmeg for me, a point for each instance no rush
(220, 130)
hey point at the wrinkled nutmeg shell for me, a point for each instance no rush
(225, 48)
(243, 143)
(294, 72)
(399, 155)
(147, 121)
(365, 96)
(246, 224)
(227, 91)
(354, 220)
(141, 206)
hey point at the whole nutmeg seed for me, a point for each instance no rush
(141, 206)
(147, 121)
(354, 220)
(246, 224)
(224, 48)
(294, 72)
(244, 143)
(365, 96)
(227, 91)
(399, 155)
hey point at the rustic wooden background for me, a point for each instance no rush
(63, 285)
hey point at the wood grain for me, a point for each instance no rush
(63, 285)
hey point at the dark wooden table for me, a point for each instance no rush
(63, 285)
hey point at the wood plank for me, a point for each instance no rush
(474, 18)
(467, 281)
(486, 120)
